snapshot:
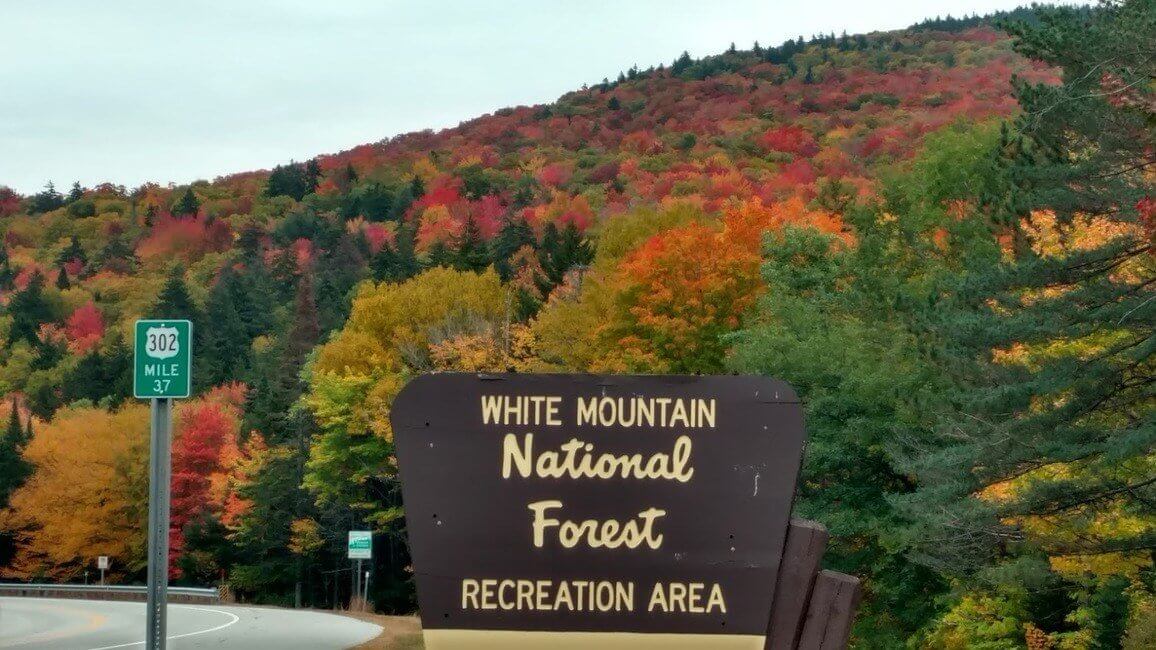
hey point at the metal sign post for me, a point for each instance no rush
(102, 564)
(357, 586)
(158, 571)
(162, 370)
(360, 548)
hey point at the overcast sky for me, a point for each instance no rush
(131, 91)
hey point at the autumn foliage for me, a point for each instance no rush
(205, 452)
(776, 210)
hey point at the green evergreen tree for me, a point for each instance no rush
(514, 235)
(561, 251)
(396, 262)
(117, 256)
(276, 492)
(7, 273)
(264, 531)
(264, 406)
(827, 326)
(312, 173)
(48, 354)
(1088, 407)
(62, 281)
(849, 329)
(208, 552)
(304, 332)
(293, 180)
(224, 346)
(188, 205)
(547, 252)
(373, 201)
(14, 470)
(15, 430)
(383, 265)
(29, 309)
(401, 204)
(82, 209)
(275, 376)
(253, 294)
(1110, 607)
(174, 300)
(471, 253)
(249, 241)
(573, 249)
(335, 274)
(284, 273)
(86, 380)
(73, 252)
(117, 360)
(439, 254)
(45, 201)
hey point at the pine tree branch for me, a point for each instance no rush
(1093, 498)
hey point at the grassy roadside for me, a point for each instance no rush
(397, 632)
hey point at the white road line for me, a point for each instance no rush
(181, 636)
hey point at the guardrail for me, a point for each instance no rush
(188, 595)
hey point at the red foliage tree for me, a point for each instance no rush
(203, 451)
(84, 328)
(790, 139)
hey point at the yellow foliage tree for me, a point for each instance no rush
(87, 497)
(437, 318)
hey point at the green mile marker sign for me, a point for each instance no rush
(163, 359)
(360, 545)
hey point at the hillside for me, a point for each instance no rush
(622, 228)
(802, 126)
(767, 123)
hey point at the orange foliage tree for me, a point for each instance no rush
(685, 288)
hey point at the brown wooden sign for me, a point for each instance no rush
(577, 511)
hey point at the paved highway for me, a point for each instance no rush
(45, 623)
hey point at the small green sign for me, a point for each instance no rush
(163, 358)
(360, 545)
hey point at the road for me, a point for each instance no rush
(45, 623)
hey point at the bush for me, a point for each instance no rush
(82, 208)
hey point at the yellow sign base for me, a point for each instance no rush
(515, 640)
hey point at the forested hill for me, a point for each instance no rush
(797, 132)
(806, 210)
